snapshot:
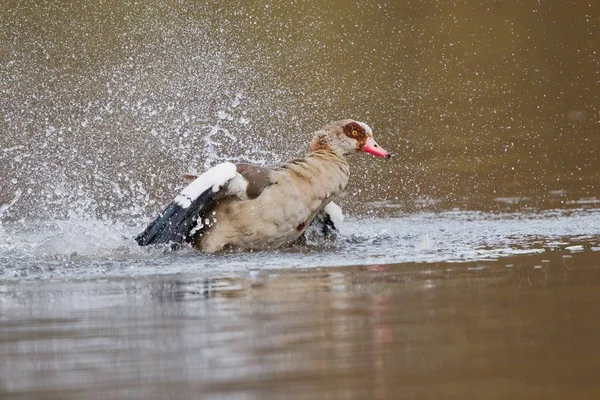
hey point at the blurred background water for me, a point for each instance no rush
(105, 104)
(468, 265)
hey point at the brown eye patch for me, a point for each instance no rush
(355, 131)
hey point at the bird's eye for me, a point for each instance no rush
(354, 132)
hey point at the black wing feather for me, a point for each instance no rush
(175, 223)
(328, 225)
(321, 227)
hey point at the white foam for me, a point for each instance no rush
(77, 247)
(71, 238)
(574, 248)
(4, 207)
(425, 242)
(216, 177)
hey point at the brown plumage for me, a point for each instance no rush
(256, 207)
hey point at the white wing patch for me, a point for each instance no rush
(216, 177)
(237, 187)
(335, 213)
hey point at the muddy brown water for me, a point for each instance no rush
(468, 264)
(105, 105)
(523, 327)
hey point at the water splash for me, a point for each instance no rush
(83, 246)
(5, 207)
(110, 136)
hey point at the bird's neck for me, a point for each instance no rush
(320, 142)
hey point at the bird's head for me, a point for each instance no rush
(346, 137)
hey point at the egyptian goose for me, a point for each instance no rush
(247, 206)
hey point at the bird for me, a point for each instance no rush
(252, 207)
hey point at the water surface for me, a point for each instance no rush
(468, 264)
(522, 327)
(444, 305)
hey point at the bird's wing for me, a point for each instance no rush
(325, 225)
(332, 216)
(187, 213)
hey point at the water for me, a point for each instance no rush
(468, 263)
(105, 105)
(400, 331)
(451, 304)
(89, 248)
(517, 320)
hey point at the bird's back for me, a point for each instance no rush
(299, 189)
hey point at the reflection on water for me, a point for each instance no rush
(493, 107)
(519, 327)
